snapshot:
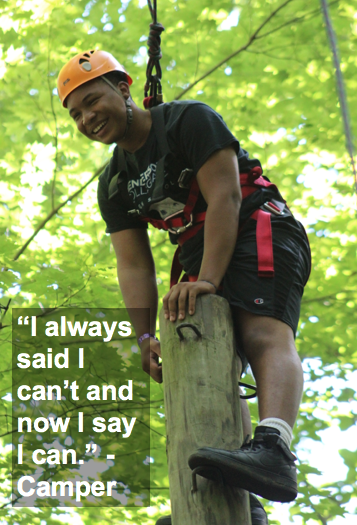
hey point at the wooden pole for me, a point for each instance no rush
(201, 372)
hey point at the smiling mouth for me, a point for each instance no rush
(98, 128)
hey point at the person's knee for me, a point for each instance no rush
(256, 343)
(275, 354)
(260, 335)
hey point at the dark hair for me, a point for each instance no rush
(115, 77)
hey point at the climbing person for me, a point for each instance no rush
(179, 167)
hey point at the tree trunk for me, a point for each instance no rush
(202, 408)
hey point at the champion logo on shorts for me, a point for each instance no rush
(259, 301)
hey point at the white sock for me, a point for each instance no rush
(286, 432)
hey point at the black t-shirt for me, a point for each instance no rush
(194, 132)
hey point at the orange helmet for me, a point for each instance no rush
(84, 67)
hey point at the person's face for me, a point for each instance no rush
(98, 111)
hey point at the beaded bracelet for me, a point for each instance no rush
(146, 336)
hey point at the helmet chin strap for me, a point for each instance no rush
(129, 110)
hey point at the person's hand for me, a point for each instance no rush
(184, 295)
(150, 353)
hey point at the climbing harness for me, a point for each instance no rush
(188, 224)
(185, 223)
(153, 89)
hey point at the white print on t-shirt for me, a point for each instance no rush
(142, 185)
(167, 207)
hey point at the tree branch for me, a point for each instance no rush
(53, 185)
(324, 297)
(5, 308)
(55, 210)
(313, 13)
(255, 36)
(49, 311)
(321, 518)
(235, 53)
(264, 53)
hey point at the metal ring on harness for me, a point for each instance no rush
(183, 228)
(270, 206)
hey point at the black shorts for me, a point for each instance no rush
(278, 296)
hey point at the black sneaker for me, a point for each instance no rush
(264, 466)
(257, 512)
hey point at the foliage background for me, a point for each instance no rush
(274, 85)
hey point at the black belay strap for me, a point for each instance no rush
(251, 387)
(122, 174)
(158, 122)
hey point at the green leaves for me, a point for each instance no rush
(277, 94)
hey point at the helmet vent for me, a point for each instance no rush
(86, 55)
(86, 65)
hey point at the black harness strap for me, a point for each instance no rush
(120, 176)
(157, 114)
(158, 192)
(158, 122)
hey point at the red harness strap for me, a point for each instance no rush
(264, 237)
(264, 243)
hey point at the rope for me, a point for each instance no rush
(153, 89)
(251, 387)
(340, 88)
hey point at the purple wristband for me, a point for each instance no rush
(146, 336)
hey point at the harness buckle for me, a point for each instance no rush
(182, 229)
(184, 178)
(275, 210)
